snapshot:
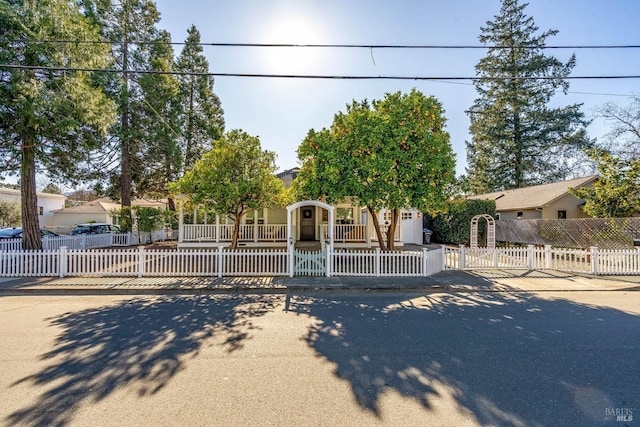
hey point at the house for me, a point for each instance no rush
(342, 225)
(546, 201)
(100, 210)
(47, 203)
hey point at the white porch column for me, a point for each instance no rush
(217, 228)
(289, 237)
(332, 223)
(255, 226)
(180, 225)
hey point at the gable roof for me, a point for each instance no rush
(537, 196)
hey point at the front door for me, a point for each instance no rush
(308, 223)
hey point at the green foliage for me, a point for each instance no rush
(52, 188)
(159, 123)
(616, 193)
(454, 224)
(126, 219)
(10, 215)
(233, 178)
(391, 154)
(200, 108)
(51, 120)
(149, 219)
(518, 140)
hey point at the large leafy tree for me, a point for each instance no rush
(616, 193)
(159, 122)
(389, 154)
(50, 119)
(234, 177)
(202, 116)
(517, 138)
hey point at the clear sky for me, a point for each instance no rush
(281, 111)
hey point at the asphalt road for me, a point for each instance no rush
(322, 359)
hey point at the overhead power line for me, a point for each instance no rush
(331, 46)
(317, 76)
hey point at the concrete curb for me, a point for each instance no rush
(496, 281)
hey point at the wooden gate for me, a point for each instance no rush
(310, 263)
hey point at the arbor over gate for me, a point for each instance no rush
(491, 230)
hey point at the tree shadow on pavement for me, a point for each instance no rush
(139, 343)
(508, 358)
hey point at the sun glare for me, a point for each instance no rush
(297, 30)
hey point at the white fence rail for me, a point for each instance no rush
(88, 241)
(242, 262)
(143, 262)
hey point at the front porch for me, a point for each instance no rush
(308, 221)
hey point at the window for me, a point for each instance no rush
(249, 218)
(407, 215)
(40, 210)
(344, 216)
(520, 215)
(562, 214)
(498, 216)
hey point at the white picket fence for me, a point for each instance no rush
(593, 261)
(89, 241)
(141, 262)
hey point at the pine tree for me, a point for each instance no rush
(517, 139)
(202, 114)
(129, 25)
(159, 121)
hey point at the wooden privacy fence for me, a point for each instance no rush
(607, 233)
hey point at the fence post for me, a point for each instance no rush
(444, 257)
(547, 257)
(377, 262)
(531, 256)
(594, 260)
(328, 249)
(62, 261)
(461, 256)
(140, 261)
(425, 264)
(220, 260)
(291, 260)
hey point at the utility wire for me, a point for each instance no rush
(315, 76)
(337, 46)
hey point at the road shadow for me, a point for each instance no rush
(511, 359)
(141, 342)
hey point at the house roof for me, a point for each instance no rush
(105, 205)
(39, 193)
(537, 196)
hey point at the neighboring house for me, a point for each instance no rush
(99, 210)
(288, 176)
(47, 203)
(547, 201)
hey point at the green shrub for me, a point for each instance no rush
(454, 225)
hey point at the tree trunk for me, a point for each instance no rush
(31, 239)
(391, 231)
(236, 230)
(376, 226)
(125, 145)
